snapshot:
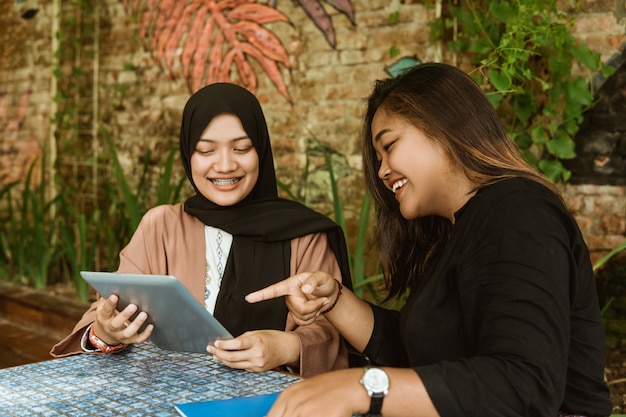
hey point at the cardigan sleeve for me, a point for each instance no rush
(321, 347)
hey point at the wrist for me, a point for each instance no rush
(334, 303)
(293, 350)
(100, 344)
(376, 383)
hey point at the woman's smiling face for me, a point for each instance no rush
(414, 167)
(225, 164)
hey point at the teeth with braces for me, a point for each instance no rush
(231, 181)
(398, 184)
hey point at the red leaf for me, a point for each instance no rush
(231, 4)
(215, 59)
(167, 36)
(270, 68)
(264, 40)
(193, 39)
(246, 73)
(160, 25)
(147, 16)
(256, 12)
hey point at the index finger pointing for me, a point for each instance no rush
(273, 291)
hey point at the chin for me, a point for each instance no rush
(408, 216)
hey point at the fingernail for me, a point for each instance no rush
(306, 288)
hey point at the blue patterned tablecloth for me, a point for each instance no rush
(142, 381)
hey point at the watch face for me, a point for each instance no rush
(376, 380)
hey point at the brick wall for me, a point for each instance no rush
(138, 100)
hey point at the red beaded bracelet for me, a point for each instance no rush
(336, 299)
(102, 345)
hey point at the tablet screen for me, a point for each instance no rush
(181, 323)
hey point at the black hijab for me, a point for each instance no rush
(262, 225)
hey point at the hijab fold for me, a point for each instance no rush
(262, 225)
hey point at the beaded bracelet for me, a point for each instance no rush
(336, 299)
(102, 345)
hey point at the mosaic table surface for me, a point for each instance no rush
(142, 381)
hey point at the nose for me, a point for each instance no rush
(226, 162)
(383, 170)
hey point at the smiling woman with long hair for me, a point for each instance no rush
(502, 315)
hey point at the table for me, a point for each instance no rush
(144, 380)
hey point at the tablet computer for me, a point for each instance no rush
(181, 323)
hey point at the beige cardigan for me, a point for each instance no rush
(169, 241)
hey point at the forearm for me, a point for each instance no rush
(353, 318)
(341, 393)
(407, 395)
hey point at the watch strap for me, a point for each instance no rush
(376, 405)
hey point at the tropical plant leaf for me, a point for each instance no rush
(246, 72)
(344, 6)
(322, 20)
(194, 41)
(263, 40)
(257, 13)
(215, 66)
(270, 68)
(214, 37)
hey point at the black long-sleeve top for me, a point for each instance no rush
(507, 322)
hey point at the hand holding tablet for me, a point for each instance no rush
(180, 322)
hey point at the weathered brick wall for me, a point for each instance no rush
(600, 211)
(139, 103)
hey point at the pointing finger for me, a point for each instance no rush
(273, 291)
(289, 286)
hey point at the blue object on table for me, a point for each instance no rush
(255, 406)
(142, 380)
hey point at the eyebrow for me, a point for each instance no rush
(381, 133)
(231, 140)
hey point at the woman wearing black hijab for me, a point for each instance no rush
(262, 239)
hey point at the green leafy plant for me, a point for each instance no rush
(525, 56)
(600, 263)
(50, 240)
(135, 203)
(79, 242)
(28, 235)
(608, 256)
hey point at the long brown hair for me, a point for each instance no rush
(450, 108)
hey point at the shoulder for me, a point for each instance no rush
(311, 240)
(167, 216)
(518, 204)
(516, 196)
(518, 190)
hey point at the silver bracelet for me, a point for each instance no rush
(84, 339)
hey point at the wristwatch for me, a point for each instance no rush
(376, 383)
